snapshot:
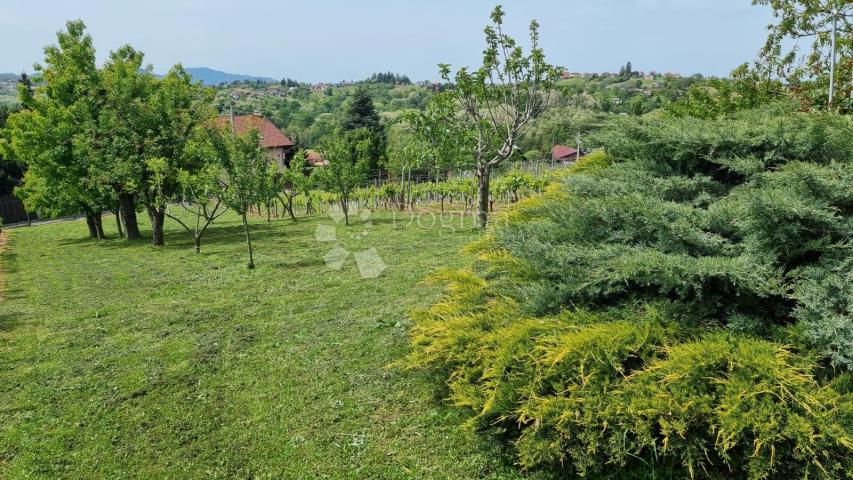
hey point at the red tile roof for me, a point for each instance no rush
(562, 152)
(271, 136)
(315, 159)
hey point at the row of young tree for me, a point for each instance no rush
(119, 138)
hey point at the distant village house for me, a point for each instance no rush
(564, 154)
(314, 159)
(279, 146)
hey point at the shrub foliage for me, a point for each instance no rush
(677, 307)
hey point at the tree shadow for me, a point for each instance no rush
(234, 234)
(109, 242)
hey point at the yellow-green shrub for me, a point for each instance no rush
(626, 323)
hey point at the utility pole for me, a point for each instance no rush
(835, 15)
(231, 105)
(578, 153)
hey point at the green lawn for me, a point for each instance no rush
(123, 360)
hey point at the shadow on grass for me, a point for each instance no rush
(9, 321)
(215, 235)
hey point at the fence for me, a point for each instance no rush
(377, 178)
(12, 210)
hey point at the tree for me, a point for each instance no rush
(498, 101)
(445, 146)
(719, 96)
(11, 170)
(245, 169)
(406, 151)
(828, 23)
(91, 135)
(115, 139)
(201, 195)
(360, 112)
(295, 182)
(200, 192)
(361, 115)
(348, 157)
(176, 109)
(45, 133)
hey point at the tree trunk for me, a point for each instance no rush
(157, 216)
(482, 196)
(127, 206)
(345, 207)
(90, 222)
(99, 226)
(248, 242)
(197, 243)
(290, 208)
(118, 224)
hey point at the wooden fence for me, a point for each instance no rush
(12, 210)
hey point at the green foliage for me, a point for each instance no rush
(246, 175)
(89, 134)
(295, 181)
(246, 165)
(348, 154)
(406, 151)
(810, 22)
(716, 97)
(516, 184)
(724, 215)
(361, 116)
(11, 170)
(491, 107)
(665, 309)
(60, 178)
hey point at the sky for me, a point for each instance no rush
(335, 40)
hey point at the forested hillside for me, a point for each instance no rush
(309, 112)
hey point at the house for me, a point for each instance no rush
(278, 146)
(562, 153)
(315, 159)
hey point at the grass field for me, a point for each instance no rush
(122, 360)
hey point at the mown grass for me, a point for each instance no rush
(123, 360)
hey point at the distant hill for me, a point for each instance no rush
(209, 76)
(8, 88)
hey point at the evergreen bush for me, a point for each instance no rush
(677, 305)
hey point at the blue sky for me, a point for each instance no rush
(331, 40)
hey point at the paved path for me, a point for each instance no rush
(41, 222)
